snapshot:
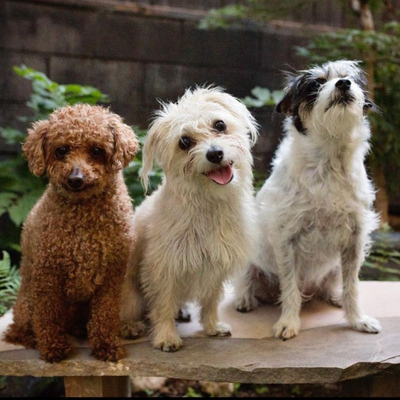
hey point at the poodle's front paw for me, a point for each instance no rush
(168, 344)
(246, 303)
(220, 329)
(108, 351)
(133, 330)
(286, 329)
(57, 351)
(367, 324)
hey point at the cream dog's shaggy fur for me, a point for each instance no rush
(315, 211)
(197, 229)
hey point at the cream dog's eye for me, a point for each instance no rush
(61, 152)
(220, 126)
(186, 143)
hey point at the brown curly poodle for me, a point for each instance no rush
(75, 241)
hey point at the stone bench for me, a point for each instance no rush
(326, 351)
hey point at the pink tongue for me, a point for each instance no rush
(221, 176)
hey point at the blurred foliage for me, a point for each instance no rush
(255, 11)
(9, 283)
(262, 97)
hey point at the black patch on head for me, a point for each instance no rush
(300, 90)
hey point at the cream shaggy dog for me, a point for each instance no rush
(315, 211)
(197, 229)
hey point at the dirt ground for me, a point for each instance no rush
(184, 388)
(54, 387)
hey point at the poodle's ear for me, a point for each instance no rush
(126, 144)
(33, 147)
(151, 149)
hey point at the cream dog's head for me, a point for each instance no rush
(203, 139)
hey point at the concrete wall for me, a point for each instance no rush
(137, 59)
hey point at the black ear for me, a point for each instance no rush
(370, 105)
(285, 105)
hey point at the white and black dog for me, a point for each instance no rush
(315, 211)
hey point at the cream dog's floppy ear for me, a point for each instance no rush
(33, 147)
(126, 144)
(151, 148)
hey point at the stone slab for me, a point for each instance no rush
(326, 350)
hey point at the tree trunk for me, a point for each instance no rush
(377, 167)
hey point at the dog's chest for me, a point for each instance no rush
(86, 250)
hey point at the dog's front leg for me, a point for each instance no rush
(209, 314)
(49, 309)
(163, 309)
(104, 322)
(352, 258)
(289, 323)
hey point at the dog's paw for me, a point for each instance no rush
(221, 329)
(367, 324)
(183, 315)
(171, 344)
(57, 352)
(335, 302)
(285, 329)
(246, 303)
(108, 351)
(133, 330)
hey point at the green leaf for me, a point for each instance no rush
(21, 208)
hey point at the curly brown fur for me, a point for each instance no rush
(75, 241)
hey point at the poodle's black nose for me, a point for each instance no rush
(75, 179)
(215, 154)
(343, 84)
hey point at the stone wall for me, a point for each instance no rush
(137, 58)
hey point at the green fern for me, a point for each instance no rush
(10, 281)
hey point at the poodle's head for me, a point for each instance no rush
(81, 148)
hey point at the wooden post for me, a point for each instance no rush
(97, 386)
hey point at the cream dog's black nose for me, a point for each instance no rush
(75, 179)
(343, 84)
(215, 154)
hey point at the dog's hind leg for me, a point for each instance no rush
(132, 310)
(289, 322)
(245, 290)
(352, 258)
(331, 288)
(183, 314)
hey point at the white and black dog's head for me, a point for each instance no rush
(332, 94)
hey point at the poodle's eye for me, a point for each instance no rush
(61, 152)
(186, 143)
(220, 126)
(97, 152)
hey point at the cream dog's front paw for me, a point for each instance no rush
(286, 329)
(168, 344)
(367, 324)
(220, 329)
